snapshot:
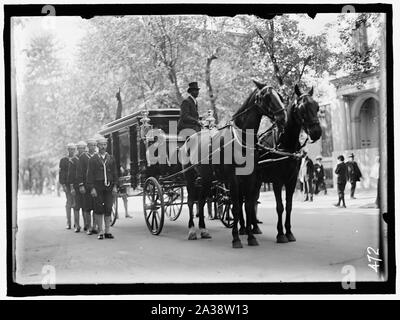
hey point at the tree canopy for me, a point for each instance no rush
(151, 59)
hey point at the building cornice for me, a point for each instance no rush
(349, 79)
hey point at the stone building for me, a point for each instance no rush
(350, 119)
(355, 123)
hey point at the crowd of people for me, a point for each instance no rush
(88, 176)
(348, 171)
(312, 177)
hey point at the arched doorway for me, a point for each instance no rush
(369, 123)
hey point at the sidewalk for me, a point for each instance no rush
(364, 199)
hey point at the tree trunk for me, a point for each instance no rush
(271, 37)
(174, 80)
(210, 90)
(269, 46)
(119, 106)
(40, 179)
(29, 177)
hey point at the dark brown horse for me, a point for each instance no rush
(225, 149)
(302, 114)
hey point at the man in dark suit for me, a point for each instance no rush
(87, 199)
(341, 171)
(319, 175)
(307, 176)
(102, 181)
(63, 179)
(189, 116)
(354, 174)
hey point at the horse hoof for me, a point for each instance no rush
(281, 239)
(252, 242)
(257, 230)
(205, 235)
(242, 231)
(290, 237)
(192, 236)
(237, 244)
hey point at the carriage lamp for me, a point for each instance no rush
(145, 126)
(210, 120)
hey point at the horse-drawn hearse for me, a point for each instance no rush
(160, 184)
(137, 139)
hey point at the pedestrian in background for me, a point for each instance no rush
(341, 171)
(123, 191)
(307, 176)
(63, 180)
(319, 175)
(354, 174)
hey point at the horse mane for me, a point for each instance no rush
(284, 140)
(245, 104)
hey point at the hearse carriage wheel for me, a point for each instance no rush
(114, 211)
(223, 206)
(173, 202)
(153, 205)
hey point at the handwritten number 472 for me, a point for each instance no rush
(375, 264)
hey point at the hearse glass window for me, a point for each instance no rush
(124, 151)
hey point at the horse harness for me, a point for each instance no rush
(285, 154)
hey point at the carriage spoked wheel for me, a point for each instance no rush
(173, 202)
(223, 207)
(153, 205)
(114, 211)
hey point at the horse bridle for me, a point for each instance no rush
(304, 124)
(257, 102)
(299, 103)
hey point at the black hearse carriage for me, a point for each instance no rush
(128, 141)
(160, 184)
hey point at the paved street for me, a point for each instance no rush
(328, 238)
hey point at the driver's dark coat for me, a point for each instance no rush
(189, 116)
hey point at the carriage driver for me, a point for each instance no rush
(189, 116)
(101, 181)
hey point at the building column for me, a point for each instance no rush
(343, 127)
(350, 141)
(355, 124)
